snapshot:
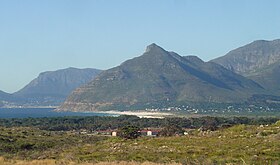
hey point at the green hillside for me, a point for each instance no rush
(159, 78)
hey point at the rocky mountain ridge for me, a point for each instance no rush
(51, 87)
(259, 61)
(158, 78)
(252, 57)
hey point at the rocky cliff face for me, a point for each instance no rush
(252, 57)
(53, 87)
(258, 61)
(158, 78)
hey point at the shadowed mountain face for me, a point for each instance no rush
(258, 61)
(161, 77)
(251, 58)
(53, 87)
(269, 78)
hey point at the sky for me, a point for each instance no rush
(47, 35)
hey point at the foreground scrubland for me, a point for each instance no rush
(239, 144)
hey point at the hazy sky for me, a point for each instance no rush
(42, 35)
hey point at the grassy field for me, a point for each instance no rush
(240, 144)
(61, 162)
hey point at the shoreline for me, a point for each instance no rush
(141, 114)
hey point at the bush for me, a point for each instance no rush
(171, 130)
(129, 132)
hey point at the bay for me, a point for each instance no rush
(42, 112)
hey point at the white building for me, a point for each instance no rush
(114, 133)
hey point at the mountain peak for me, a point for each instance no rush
(159, 78)
(267, 42)
(194, 58)
(153, 47)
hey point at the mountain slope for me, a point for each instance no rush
(158, 78)
(269, 78)
(52, 87)
(3, 95)
(252, 57)
(258, 61)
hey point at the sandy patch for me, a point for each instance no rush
(141, 114)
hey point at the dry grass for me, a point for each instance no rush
(23, 162)
(61, 162)
(132, 163)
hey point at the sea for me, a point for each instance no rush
(43, 112)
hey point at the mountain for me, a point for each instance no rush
(4, 95)
(268, 77)
(52, 87)
(259, 61)
(159, 78)
(251, 58)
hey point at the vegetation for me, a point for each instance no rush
(93, 123)
(62, 162)
(171, 130)
(33, 143)
(129, 132)
(249, 144)
(230, 141)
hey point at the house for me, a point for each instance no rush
(145, 132)
(150, 132)
(105, 132)
(114, 133)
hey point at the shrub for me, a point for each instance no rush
(129, 132)
(171, 130)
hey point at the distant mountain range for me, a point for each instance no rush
(159, 78)
(6, 98)
(50, 88)
(251, 58)
(4, 95)
(259, 61)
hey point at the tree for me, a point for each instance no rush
(129, 132)
(210, 123)
(171, 130)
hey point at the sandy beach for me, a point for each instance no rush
(141, 114)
